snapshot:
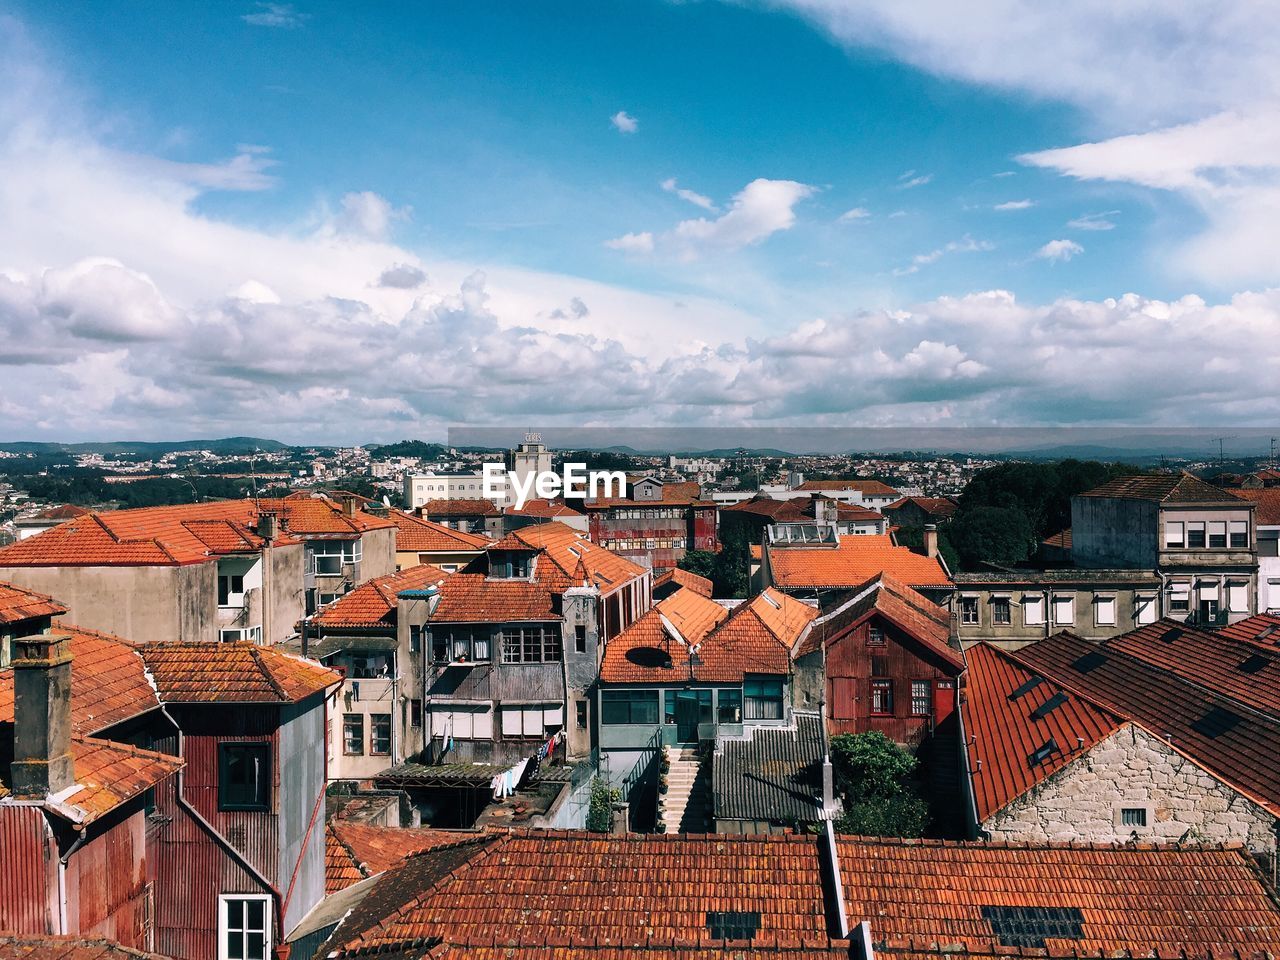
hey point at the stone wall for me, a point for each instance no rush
(1132, 768)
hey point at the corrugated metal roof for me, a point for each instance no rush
(775, 775)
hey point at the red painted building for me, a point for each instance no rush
(655, 524)
(883, 659)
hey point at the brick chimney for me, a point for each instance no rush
(42, 715)
(930, 539)
(350, 506)
(267, 525)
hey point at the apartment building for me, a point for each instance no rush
(869, 493)
(655, 524)
(425, 541)
(1267, 519)
(1199, 539)
(420, 489)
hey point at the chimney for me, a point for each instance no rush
(42, 715)
(267, 525)
(930, 539)
(349, 505)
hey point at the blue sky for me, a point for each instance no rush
(658, 202)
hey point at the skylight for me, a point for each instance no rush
(1267, 631)
(1255, 663)
(1216, 722)
(1050, 705)
(733, 924)
(1026, 687)
(1032, 926)
(1171, 636)
(1090, 661)
(1043, 753)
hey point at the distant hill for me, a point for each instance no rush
(224, 447)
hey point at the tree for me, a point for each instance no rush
(1001, 535)
(872, 777)
(600, 806)
(701, 562)
(913, 537)
(727, 569)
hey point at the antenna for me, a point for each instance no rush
(1274, 441)
(1219, 441)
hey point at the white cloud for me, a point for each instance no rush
(1094, 221)
(368, 214)
(697, 199)
(623, 122)
(1056, 250)
(278, 15)
(1014, 205)
(854, 215)
(402, 276)
(632, 243)
(965, 244)
(911, 179)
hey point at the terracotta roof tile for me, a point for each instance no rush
(685, 579)
(566, 558)
(67, 948)
(460, 508)
(354, 851)
(1262, 629)
(475, 598)
(1004, 730)
(427, 536)
(18, 603)
(373, 603)
(109, 774)
(1235, 744)
(1161, 488)
(674, 493)
(921, 619)
(1268, 501)
(1061, 540)
(853, 562)
(232, 673)
(800, 509)
(108, 681)
(544, 508)
(941, 507)
(871, 488)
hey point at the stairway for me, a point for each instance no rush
(686, 806)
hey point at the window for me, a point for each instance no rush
(1180, 597)
(875, 637)
(581, 711)
(580, 638)
(702, 697)
(1104, 611)
(415, 638)
(1146, 609)
(369, 666)
(1064, 611)
(1240, 533)
(1032, 610)
(415, 713)
(353, 734)
(1001, 611)
(530, 720)
(1195, 534)
(729, 706)
(762, 698)
(733, 924)
(1174, 535)
(380, 734)
(921, 697)
(1218, 535)
(460, 645)
(244, 776)
(969, 610)
(509, 565)
(628, 706)
(329, 556)
(1237, 596)
(462, 723)
(244, 927)
(537, 644)
(1133, 816)
(230, 590)
(882, 697)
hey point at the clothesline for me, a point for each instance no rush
(508, 781)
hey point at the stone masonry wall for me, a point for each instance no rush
(1132, 768)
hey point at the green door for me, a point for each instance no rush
(687, 716)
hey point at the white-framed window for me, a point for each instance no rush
(531, 720)
(1238, 596)
(1240, 533)
(1218, 534)
(1032, 610)
(1175, 535)
(231, 590)
(1064, 611)
(968, 609)
(1001, 611)
(244, 926)
(328, 556)
(233, 634)
(1179, 597)
(1144, 608)
(461, 722)
(1104, 611)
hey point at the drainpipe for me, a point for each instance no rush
(218, 838)
(63, 860)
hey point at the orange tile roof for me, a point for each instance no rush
(800, 509)
(237, 672)
(108, 681)
(317, 515)
(1257, 629)
(853, 562)
(474, 598)
(544, 508)
(566, 558)
(1268, 501)
(427, 536)
(460, 508)
(872, 488)
(1142, 901)
(936, 506)
(373, 603)
(65, 511)
(683, 578)
(928, 624)
(67, 948)
(755, 637)
(18, 603)
(551, 895)
(1161, 488)
(355, 851)
(1061, 540)
(1004, 731)
(109, 774)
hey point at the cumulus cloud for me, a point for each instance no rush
(368, 214)
(402, 276)
(282, 16)
(761, 209)
(1056, 250)
(1014, 205)
(623, 122)
(965, 244)
(697, 199)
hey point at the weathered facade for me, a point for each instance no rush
(655, 524)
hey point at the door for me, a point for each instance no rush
(687, 716)
(944, 700)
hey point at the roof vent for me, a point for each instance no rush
(1026, 687)
(733, 924)
(1043, 753)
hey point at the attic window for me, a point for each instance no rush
(1026, 687)
(1266, 632)
(733, 924)
(1255, 663)
(575, 552)
(1090, 661)
(1050, 705)
(1215, 723)
(1032, 926)
(1171, 636)
(1043, 753)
